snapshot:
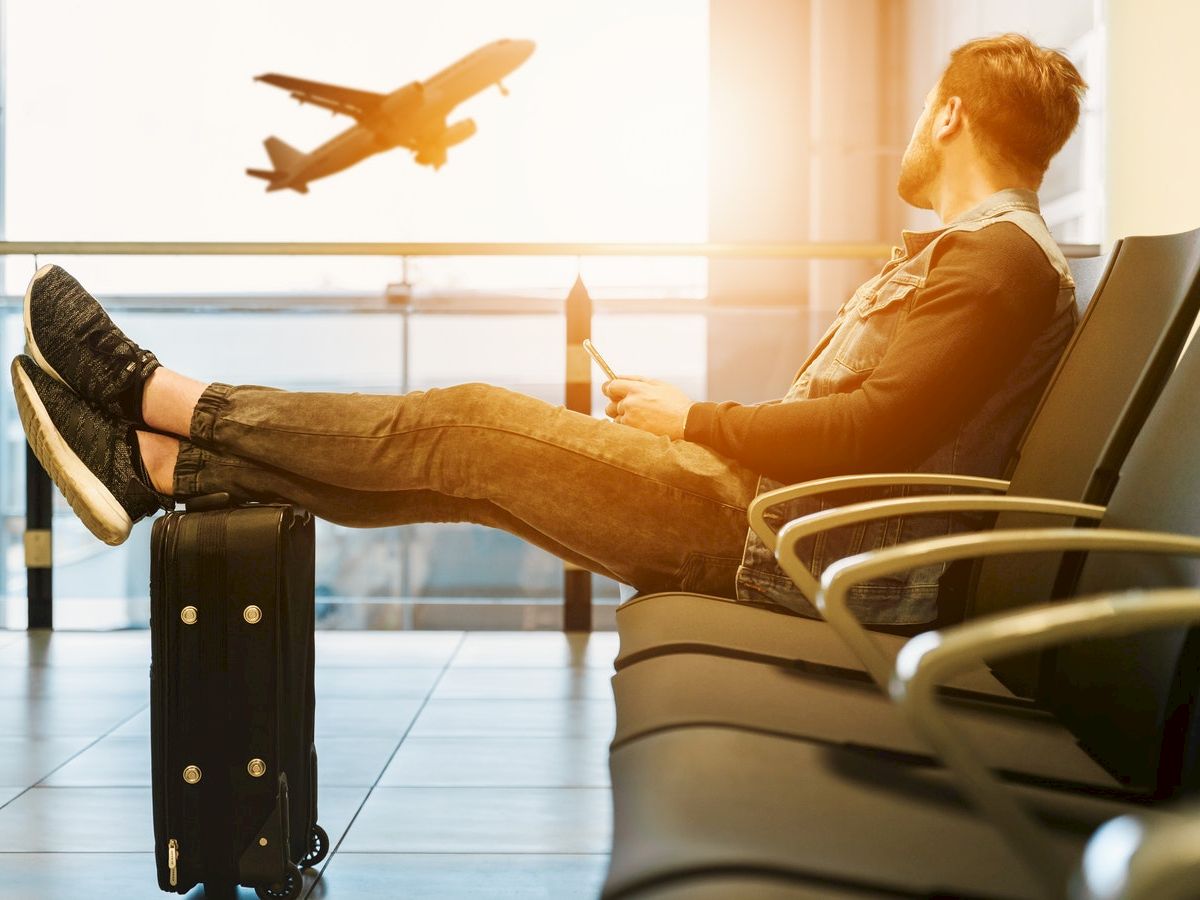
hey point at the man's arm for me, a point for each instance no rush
(988, 295)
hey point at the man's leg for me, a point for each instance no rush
(643, 509)
(651, 511)
(206, 472)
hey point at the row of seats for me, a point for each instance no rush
(760, 754)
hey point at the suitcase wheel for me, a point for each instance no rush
(318, 848)
(288, 890)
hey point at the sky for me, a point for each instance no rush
(134, 120)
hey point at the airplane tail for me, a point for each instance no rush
(285, 159)
(277, 180)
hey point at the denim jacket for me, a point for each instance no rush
(982, 445)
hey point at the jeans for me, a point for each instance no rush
(645, 510)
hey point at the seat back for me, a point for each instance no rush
(1088, 272)
(1130, 700)
(1105, 385)
(957, 583)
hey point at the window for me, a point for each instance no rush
(135, 123)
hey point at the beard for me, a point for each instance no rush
(918, 170)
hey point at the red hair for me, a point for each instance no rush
(1021, 100)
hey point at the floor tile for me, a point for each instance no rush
(513, 761)
(7, 792)
(499, 762)
(74, 649)
(407, 649)
(10, 637)
(137, 726)
(543, 648)
(78, 820)
(113, 761)
(336, 807)
(43, 682)
(353, 761)
(463, 876)
(72, 876)
(482, 820)
(353, 717)
(375, 681)
(53, 717)
(25, 761)
(118, 820)
(462, 683)
(516, 718)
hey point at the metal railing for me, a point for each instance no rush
(577, 589)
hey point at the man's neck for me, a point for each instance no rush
(953, 196)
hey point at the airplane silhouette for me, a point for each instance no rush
(413, 116)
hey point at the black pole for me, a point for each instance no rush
(39, 572)
(577, 583)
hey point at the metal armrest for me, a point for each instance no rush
(929, 658)
(845, 573)
(756, 512)
(1149, 856)
(856, 513)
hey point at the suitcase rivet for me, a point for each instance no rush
(191, 774)
(257, 768)
(252, 614)
(189, 615)
(262, 842)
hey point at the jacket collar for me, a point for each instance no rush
(994, 205)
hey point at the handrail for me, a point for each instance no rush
(819, 250)
(353, 248)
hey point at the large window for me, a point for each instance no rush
(134, 121)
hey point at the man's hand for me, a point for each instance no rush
(653, 406)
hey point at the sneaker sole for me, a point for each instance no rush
(94, 503)
(31, 347)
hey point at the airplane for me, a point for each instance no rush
(413, 116)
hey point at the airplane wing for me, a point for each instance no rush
(347, 101)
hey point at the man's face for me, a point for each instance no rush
(922, 162)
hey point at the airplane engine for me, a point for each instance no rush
(458, 132)
(433, 152)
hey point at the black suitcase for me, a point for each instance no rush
(231, 714)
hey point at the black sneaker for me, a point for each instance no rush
(72, 338)
(92, 457)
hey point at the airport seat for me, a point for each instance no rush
(692, 804)
(1145, 304)
(1154, 495)
(737, 787)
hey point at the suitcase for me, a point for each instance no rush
(234, 766)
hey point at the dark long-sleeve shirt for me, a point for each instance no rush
(988, 294)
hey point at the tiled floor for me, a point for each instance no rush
(452, 765)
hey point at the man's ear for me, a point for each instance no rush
(949, 120)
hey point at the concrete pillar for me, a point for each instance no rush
(846, 58)
(758, 191)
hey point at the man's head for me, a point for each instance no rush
(1003, 104)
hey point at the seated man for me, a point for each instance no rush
(935, 364)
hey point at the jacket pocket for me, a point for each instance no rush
(871, 329)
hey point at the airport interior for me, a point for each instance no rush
(439, 695)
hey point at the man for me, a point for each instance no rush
(935, 364)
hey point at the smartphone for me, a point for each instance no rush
(595, 354)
